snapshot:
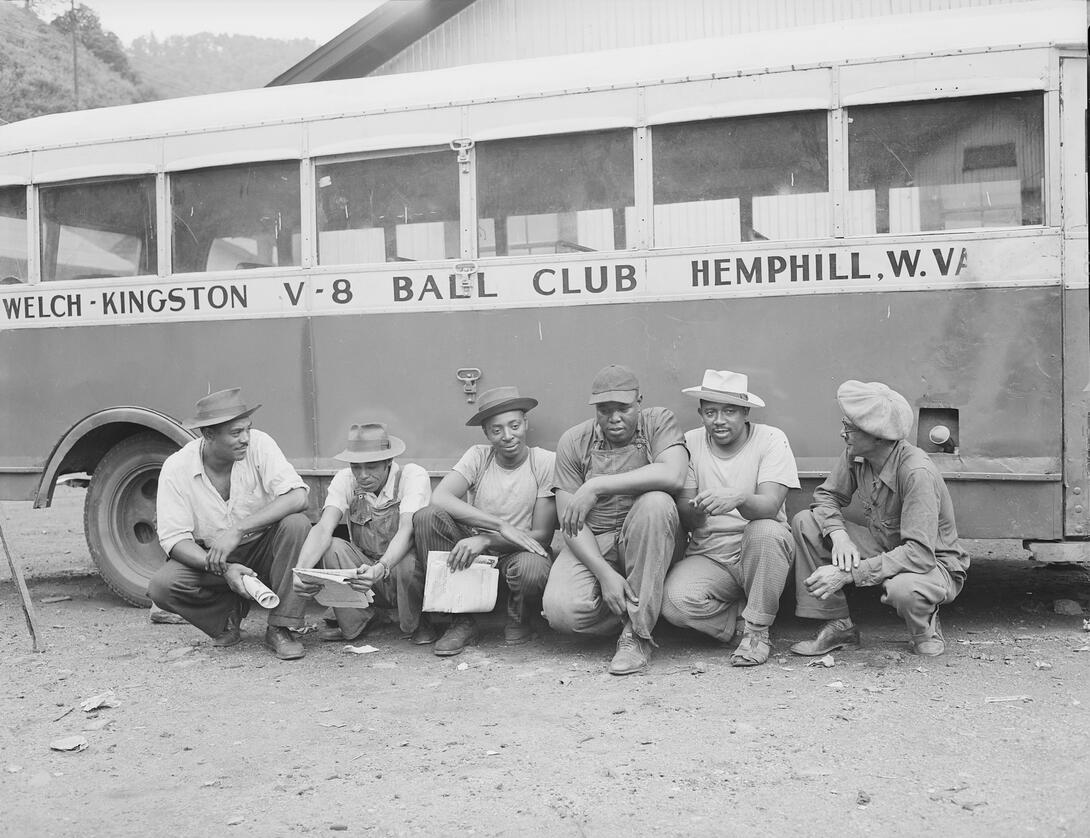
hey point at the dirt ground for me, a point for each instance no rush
(991, 740)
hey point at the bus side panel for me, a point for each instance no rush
(68, 373)
(1077, 413)
(992, 354)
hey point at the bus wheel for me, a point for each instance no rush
(119, 515)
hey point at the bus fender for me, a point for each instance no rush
(88, 440)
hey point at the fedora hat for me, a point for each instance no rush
(219, 407)
(499, 400)
(725, 387)
(368, 442)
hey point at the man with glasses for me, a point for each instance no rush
(910, 543)
(740, 549)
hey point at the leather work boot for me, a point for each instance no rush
(232, 632)
(331, 634)
(829, 638)
(283, 645)
(159, 616)
(425, 633)
(932, 644)
(460, 633)
(633, 653)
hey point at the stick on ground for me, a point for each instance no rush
(24, 594)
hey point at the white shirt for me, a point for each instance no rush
(188, 506)
(508, 493)
(764, 458)
(414, 492)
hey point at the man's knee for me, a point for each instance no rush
(527, 572)
(681, 600)
(804, 527)
(658, 506)
(905, 594)
(566, 615)
(427, 518)
(162, 585)
(296, 525)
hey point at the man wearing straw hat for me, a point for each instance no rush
(379, 498)
(616, 476)
(498, 500)
(910, 543)
(740, 548)
(229, 506)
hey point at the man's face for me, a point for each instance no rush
(371, 477)
(228, 441)
(725, 423)
(618, 421)
(506, 432)
(858, 443)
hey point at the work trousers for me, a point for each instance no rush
(524, 573)
(403, 589)
(205, 600)
(706, 594)
(640, 551)
(915, 596)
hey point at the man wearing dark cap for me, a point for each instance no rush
(229, 506)
(379, 498)
(498, 501)
(910, 543)
(616, 476)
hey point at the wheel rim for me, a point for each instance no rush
(131, 520)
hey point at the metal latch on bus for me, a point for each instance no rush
(464, 271)
(462, 147)
(468, 376)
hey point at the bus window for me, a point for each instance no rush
(559, 194)
(741, 179)
(954, 164)
(13, 249)
(388, 209)
(98, 229)
(236, 217)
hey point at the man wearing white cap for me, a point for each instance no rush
(740, 548)
(229, 506)
(498, 500)
(379, 498)
(910, 543)
(616, 476)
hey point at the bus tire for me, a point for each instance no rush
(119, 515)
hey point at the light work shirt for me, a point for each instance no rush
(188, 507)
(509, 494)
(907, 509)
(414, 490)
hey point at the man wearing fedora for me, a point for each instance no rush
(497, 500)
(379, 498)
(740, 549)
(616, 476)
(909, 545)
(229, 505)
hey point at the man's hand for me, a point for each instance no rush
(367, 577)
(221, 547)
(717, 501)
(463, 554)
(827, 580)
(233, 577)
(579, 506)
(845, 553)
(521, 538)
(615, 592)
(304, 588)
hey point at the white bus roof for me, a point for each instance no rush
(1034, 24)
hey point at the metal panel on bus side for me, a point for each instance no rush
(802, 90)
(593, 111)
(224, 148)
(377, 132)
(946, 76)
(14, 169)
(993, 354)
(132, 157)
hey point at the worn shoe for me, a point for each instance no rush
(283, 645)
(425, 633)
(516, 633)
(331, 634)
(828, 639)
(932, 644)
(232, 633)
(753, 650)
(633, 653)
(460, 633)
(334, 633)
(160, 617)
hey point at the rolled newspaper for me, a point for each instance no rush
(260, 592)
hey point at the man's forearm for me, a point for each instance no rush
(280, 508)
(585, 548)
(654, 477)
(190, 554)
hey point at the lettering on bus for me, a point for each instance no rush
(594, 280)
(114, 303)
(430, 289)
(827, 267)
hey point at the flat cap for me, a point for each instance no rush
(873, 407)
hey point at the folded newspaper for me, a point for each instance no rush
(467, 591)
(335, 592)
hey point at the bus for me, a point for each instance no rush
(900, 199)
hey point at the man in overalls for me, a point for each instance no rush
(380, 498)
(616, 476)
(498, 501)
